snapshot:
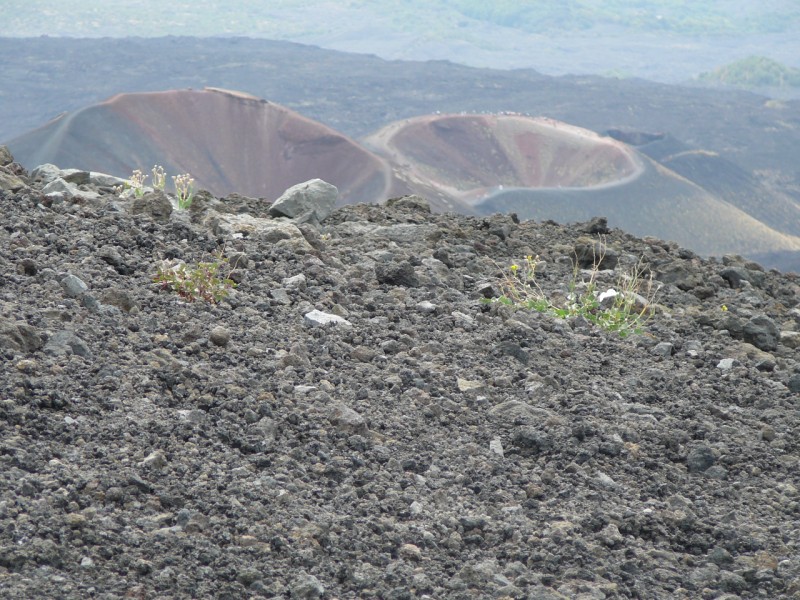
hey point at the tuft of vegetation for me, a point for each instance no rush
(202, 281)
(135, 184)
(184, 190)
(184, 185)
(624, 309)
(754, 72)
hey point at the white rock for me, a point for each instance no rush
(155, 460)
(426, 307)
(46, 172)
(726, 364)
(105, 180)
(296, 282)
(317, 318)
(496, 446)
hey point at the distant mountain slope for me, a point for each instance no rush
(752, 73)
(358, 94)
(667, 40)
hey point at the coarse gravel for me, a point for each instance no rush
(408, 439)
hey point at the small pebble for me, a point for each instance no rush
(220, 336)
(410, 552)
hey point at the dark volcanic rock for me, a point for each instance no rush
(416, 442)
(762, 332)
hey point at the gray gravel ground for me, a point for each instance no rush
(426, 444)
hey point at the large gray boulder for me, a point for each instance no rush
(311, 201)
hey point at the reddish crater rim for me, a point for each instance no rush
(469, 157)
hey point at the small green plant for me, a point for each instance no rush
(202, 281)
(135, 183)
(184, 189)
(624, 310)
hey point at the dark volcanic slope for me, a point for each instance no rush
(656, 202)
(723, 178)
(431, 446)
(228, 141)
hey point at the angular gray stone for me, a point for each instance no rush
(762, 332)
(105, 180)
(427, 308)
(680, 274)
(726, 364)
(220, 336)
(790, 339)
(5, 156)
(74, 287)
(266, 230)
(60, 186)
(296, 282)
(611, 536)
(496, 447)
(413, 202)
(363, 354)
(307, 587)
(700, 459)
(119, 298)
(46, 173)
(315, 196)
(401, 274)
(512, 349)
(65, 343)
(10, 182)
(347, 420)
(516, 412)
(532, 438)
(664, 349)
(76, 176)
(735, 276)
(156, 204)
(595, 226)
(591, 253)
(19, 336)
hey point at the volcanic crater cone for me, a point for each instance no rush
(468, 157)
(228, 141)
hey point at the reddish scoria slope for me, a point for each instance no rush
(229, 142)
